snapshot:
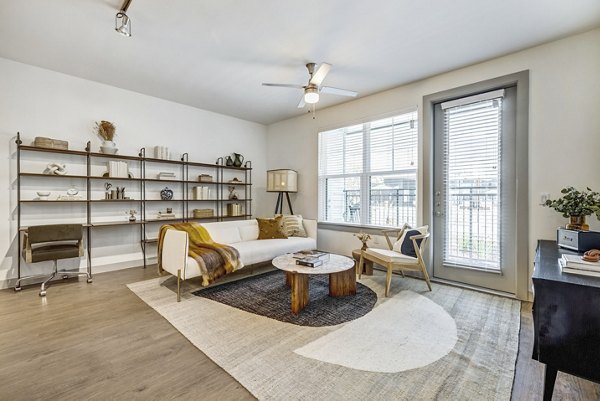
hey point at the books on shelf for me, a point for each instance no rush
(165, 215)
(575, 265)
(202, 193)
(117, 169)
(163, 175)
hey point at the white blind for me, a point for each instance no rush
(472, 171)
(367, 172)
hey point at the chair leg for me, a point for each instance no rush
(179, 285)
(46, 282)
(425, 275)
(388, 279)
(360, 265)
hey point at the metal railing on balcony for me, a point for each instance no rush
(387, 207)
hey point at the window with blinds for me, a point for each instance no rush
(472, 172)
(368, 172)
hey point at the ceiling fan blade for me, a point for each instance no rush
(301, 104)
(284, 85)
(337, 91)
(320, 75)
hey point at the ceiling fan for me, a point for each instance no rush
(313, 87)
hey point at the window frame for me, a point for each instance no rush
(366, 175)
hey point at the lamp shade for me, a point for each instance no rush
(282, 180)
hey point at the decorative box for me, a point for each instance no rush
(234, 209)
(580, 241)
(50, 143)
(203, 213)
(205, 178)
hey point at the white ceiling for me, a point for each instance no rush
(214, 54)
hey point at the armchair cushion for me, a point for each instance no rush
(389, 255)
(404, 244)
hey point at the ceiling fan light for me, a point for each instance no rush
(311, 95)
(123, 24)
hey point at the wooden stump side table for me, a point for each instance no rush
(367, 264)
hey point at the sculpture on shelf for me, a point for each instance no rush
(132, 214)
(166, 194)
(232, 194)
(55, 169)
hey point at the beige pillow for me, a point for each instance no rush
(270, 228)
(398, 244)
(293, 226)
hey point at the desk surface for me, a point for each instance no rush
(547, 267)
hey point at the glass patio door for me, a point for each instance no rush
(474, 202)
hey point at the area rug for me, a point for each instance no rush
(410, 334)
(267, 295)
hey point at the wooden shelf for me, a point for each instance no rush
(116, 223)
(155, 160)
(236, 217)
(49, 150)
(114, 200)
(98, 177)
(52, 175)
(164, 200)
(163, 220)
(107, 156)
(52, 201)
(159, 180)
(194, 164)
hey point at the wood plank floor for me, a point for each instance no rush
(101, 342)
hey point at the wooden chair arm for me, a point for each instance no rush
(394, 230)
(423, 238)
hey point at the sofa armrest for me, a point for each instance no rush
(175, 252)
(310, 226)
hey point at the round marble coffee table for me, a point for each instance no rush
(342, 277)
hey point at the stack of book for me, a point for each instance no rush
(201, 193)
(165, 175)
(575, 265)
(117, 169)
(310, 258)
(166, 215)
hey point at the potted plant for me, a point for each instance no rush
(576, 205)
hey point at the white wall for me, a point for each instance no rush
(38, 102)
(564, 127)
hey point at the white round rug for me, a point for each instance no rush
(405, 332)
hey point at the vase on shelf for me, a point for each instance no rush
(237, 160)
(577, 223)
(364, 246)
(108, 147)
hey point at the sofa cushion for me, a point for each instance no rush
(249, 231)
(292, 225)
(223, 234)
(270, 228)
(398, 245)
(258, 251)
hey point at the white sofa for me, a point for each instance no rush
(240, 234)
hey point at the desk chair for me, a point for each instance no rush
(406, 253)
(52, 242)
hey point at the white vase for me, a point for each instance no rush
(108, 147)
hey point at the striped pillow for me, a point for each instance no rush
(292, 225)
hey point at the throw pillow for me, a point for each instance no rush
(404, 244)
(270, 228)
(293, 226)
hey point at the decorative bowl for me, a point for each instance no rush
(43, 194)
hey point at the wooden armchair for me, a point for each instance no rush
(395, 258)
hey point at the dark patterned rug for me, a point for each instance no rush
(267, 295)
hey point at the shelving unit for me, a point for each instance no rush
(146, 185)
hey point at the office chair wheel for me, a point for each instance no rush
(89, 280)
(17, 289)
(42, 293)
(65, 277)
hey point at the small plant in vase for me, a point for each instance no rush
(106, 131)
(363, 237)
(576, 205)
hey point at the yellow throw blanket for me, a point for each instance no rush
(215, 260)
